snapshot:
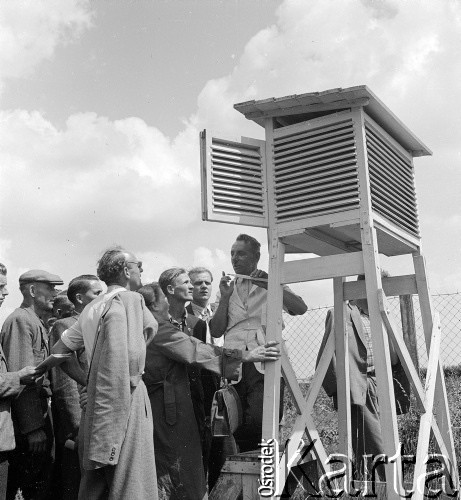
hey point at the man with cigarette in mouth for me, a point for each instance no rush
(240, 317)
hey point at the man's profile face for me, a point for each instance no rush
(202, 287)
(44, 295)
(134, 267)
(182, 290)
(244, 261)
(92, 292)
(3, 289)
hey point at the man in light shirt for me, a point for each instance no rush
(241, 317)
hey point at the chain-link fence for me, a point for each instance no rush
(303, 334)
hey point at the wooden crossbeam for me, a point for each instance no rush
(319, 268)
(392, 286)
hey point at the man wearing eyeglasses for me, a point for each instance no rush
(118, 458)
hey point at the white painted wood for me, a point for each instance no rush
(290, 455)
(425, 423)
(413, 376)
(270, 423)
(380, 343)
(319, 268)
(342, 374)
(441, 402)
(392, 286)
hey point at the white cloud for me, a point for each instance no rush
(30, 31)
(73, 191)
(154, 263)
(92, 175)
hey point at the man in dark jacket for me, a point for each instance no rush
(24, 340)
(365, 418)
(11, 384)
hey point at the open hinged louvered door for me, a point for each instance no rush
(233, 175)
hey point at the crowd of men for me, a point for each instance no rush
(127, 413)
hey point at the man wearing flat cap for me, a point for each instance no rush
(24, 340)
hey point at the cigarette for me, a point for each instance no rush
(244, 276)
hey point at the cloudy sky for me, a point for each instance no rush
(101, 103)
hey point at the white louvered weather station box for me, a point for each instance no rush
(326, 156)
(334, 177)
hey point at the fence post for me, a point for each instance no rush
(408, 327)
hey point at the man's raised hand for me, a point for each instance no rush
(226, 285)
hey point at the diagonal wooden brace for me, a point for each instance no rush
(304, 420)
(412, 374)
(427, 417)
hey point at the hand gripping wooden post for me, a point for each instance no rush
(334, 177)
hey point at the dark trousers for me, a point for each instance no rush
(29, 472)
(3, 474)
(366, 431)
(66, 474)
(221, 447)
(251, 393)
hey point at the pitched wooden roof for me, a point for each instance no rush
(299, 107)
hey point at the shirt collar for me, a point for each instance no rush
(179, 325)
(199, 309)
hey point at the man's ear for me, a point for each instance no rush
(126, 272)
(78, 298)
(32, 290)
(170, 289)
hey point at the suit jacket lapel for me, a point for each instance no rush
(356, 319)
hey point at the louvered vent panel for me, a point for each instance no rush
(392, 184)
(237, 179)
(315, 171)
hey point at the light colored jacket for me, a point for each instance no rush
(116, 367)
(9, 388)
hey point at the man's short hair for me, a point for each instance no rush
(384, 274)
(111, 264)
(168, 278)
(2, 269)
(80, 284)
(199, 270)
(253, 242)
(149, 292)
(62, 302)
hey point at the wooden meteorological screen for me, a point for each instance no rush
(334, 177)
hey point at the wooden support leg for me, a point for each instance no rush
(342, 375)
(382, 364)
(270, 421)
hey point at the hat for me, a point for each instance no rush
(36, 275)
